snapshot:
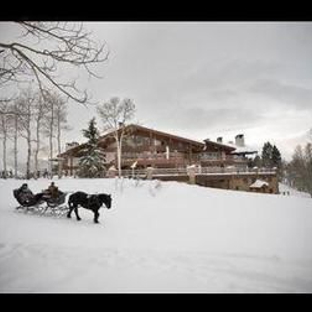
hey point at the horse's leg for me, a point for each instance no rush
(71, 208)
(96, 216)
(76, 212)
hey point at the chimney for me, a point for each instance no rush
(219, 140)
(239, 140)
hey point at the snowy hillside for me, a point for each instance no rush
(158, 237)
(283, 188)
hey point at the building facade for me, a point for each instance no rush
(144, 147)
(148, 147)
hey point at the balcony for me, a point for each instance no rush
(160, 160)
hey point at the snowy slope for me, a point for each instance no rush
(158, 237)
(292, 192)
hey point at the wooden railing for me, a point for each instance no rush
(198, 170)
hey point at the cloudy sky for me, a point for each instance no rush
(208, 79)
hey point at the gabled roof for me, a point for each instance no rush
(259, 184)
(243, 150)
(220, 145)
(108, 135)
(165, 134)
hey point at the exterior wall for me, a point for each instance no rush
(153, 148)
(213, 181)
(110, 156)
(239, 181)
(181, 178)
(149, 149)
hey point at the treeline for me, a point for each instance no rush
(46, 55)
(35, 117)
(300, 169)
(270, 158)
(297, 173)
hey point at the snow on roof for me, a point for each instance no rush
(259, 183)
(243, 149)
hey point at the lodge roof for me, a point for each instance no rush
(217, 144)
(259, 184)
(158, 133)
(165, 134)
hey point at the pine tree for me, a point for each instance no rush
(91, 133)
(91, 164)
(255, 162)
(267, 154)
(276, 157)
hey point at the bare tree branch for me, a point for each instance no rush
(59, 44)
(114, 115)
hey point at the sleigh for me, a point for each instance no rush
(41, 203)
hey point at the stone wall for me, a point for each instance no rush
(239, 182)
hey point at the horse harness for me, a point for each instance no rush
(91, 200)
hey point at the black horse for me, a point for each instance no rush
(93, 202)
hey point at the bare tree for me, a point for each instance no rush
(5, 128)
(300, 168)
(10, 111)
(55, 121)
(7, 109)
(40, 109)
(16, 130)
(115, 114)
(308, 165)
(43, 48)
(26, 103)
(49, 122)
(61, 121)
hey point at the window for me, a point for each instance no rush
(210, 156)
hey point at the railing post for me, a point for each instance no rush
(149, 173)
(191, 172)
(111, 172)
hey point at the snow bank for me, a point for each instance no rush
(158, 237)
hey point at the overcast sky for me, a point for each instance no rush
(208, 79)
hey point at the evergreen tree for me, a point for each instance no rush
(276, 157)
(271, 157)
(267, 155)
(91, 133)
(91, 164)
(255, 162)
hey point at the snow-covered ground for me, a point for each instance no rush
(158, 237)
(283, 188)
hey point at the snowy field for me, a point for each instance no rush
(158, 237)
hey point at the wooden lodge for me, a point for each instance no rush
(147, 147)
(144, 147)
